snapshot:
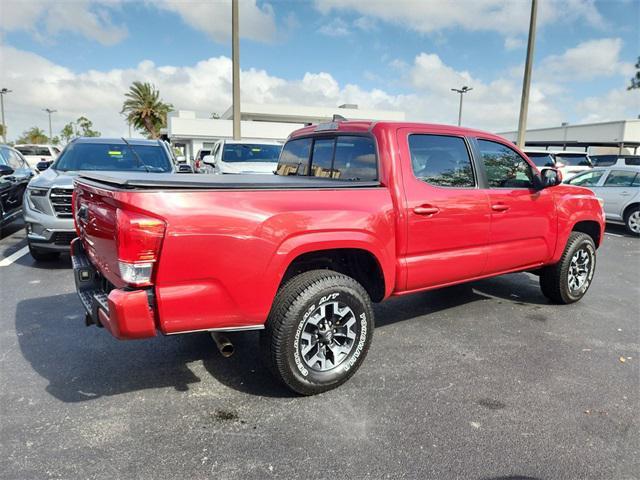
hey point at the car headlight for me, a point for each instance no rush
(37, 192)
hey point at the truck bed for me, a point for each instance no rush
(182, 181)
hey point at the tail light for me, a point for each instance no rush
(197, 164)
(138, 240)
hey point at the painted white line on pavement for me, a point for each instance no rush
(613, 234)
(5, 262)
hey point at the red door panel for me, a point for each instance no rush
(447, 227)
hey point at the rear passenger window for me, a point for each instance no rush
(504, 166)
(620, 178)
(441, 160)
(294, 159)
(355, 159)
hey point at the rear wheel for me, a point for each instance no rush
(318, 332)
(632, 221)
(42, 256)
(568, 280)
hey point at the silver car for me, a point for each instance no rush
(619, 188)
(47, 200)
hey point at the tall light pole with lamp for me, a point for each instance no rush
(49, 111)
(3, 92)
(461, 91)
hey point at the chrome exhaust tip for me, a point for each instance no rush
(225, 347)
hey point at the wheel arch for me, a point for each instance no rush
(628, 208)
(591, 228)
(357, 254)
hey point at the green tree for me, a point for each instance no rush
(33, 135)
(67, 132)
(145, 110)
(3, 130)
(635, 81)
(85, 127)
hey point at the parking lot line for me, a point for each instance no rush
(613, 234)
(5, 262)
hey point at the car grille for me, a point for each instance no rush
(61, 201)
(63, 238)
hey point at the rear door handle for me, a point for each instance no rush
(426, 210)
(499, 207)
(624, 194)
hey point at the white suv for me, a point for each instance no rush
(242, 156)
(36, 153)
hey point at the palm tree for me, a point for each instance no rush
(144, 109)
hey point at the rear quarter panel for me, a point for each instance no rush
(225, 252)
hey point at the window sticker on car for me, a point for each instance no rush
(115, 153)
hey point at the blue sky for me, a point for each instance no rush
(378, 54)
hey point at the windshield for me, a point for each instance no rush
(580, 160)
(247, 152)
(114, 157)
(541, 159)
(33, 150)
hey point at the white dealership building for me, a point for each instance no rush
(191, 132)
(621, 136)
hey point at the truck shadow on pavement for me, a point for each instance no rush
(83, 363)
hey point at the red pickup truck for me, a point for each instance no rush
(357, 211)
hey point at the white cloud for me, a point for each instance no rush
(587, 60)
(214, 17)
(514, 43)
(46, 19)
(613, 105)
(335, 28)
(38, 83)
(507, 17)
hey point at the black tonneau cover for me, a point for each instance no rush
(143, 180)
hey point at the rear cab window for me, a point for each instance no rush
(340, 157)
(34, 150)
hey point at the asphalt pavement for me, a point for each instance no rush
(479, 381)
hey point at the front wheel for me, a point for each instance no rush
(318, 332)
(568, 280)
(632, 221)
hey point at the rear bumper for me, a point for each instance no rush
(126, 314)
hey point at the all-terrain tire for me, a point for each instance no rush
(321, 297)
(555, 280)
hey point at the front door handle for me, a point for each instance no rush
(426, 210)
(499, 207)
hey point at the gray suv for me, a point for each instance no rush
(47, 200)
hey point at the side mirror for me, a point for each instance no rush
(209, 160)
(5, 170)
(185, 168)
(550, 177)
(41, 166)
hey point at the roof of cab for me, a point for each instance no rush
(116, 141)
(363, 126)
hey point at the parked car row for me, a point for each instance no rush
(619, 188)
(568, 163)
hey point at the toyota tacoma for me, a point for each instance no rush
(356, 212)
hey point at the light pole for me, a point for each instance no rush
(3, 92)
(461, 91)
(49, 111)
(526, 83)
(235, 54)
